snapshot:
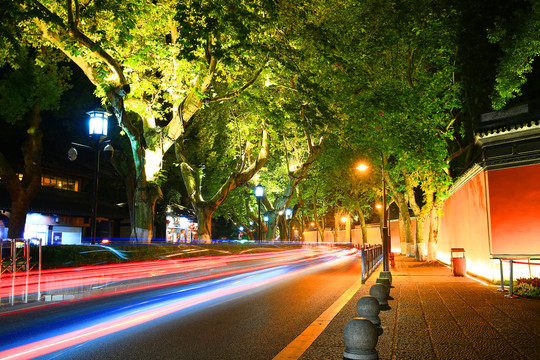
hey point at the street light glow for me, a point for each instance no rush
(288, 213)
(98, 122)
(344, 219)
(362, 167)
(259, 191)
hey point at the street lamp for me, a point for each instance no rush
(97, 129)
(288, 216)
(385, 242)
(259, 192)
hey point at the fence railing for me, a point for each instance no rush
(17, 264)
(371, 256)
(522, 261)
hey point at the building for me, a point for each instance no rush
(61, 211)
(493, 210)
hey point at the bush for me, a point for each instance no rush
(528, 287)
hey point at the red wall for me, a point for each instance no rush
(514, 203)
(464, 224)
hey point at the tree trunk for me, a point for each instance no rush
(204, 220)
(363, 227)
(402, 238)
(337, 219)
(434, 230)
(407, 242)
(145, 202)
(420, 239)
(17, 217)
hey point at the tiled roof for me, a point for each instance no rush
(516, 120)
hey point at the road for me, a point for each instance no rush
(252, 315)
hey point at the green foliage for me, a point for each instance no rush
(518, 35)
(31, 81)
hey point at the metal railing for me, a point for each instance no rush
(17, 265)
(371, 256)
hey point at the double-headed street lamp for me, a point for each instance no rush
(97, 129)
(259, 192)
(385, 238)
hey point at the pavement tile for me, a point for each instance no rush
(448, 351)
(434, 315)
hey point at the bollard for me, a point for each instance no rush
(385, 282)
(380, 292)
(368, 307)
(360, 338)
(386, 275)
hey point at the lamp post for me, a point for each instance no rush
(385, 242)
(97, 129)
(288, 216)
(259, 192)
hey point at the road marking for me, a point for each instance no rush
(299, 345)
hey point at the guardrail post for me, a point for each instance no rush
(511, 295)
(502, 276)
(363, 259)
(39, 272)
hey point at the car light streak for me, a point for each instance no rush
(33, 282)
(46, 339)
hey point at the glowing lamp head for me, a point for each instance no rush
(344, 219)
(259, 191)
(98, 123)
(265, 219)
(288, 213)
(362, 167)
(312, 224)
(378, 206)
(241, 228)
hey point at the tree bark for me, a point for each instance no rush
(407, 242)
(363, 227)
(145, 202)
(435, 221)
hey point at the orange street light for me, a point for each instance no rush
(362, 167)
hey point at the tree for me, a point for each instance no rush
(155, 64)
(518, 35)
(246, 161)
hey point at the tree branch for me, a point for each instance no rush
(238, 91)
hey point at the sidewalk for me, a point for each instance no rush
(435, 315)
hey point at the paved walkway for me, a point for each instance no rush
(434, 315)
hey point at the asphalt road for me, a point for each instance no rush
(253, 324)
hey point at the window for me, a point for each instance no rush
(60, 183)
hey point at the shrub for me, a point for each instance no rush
(528, 287)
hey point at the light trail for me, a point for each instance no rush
(61, 333)
(23, 283)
